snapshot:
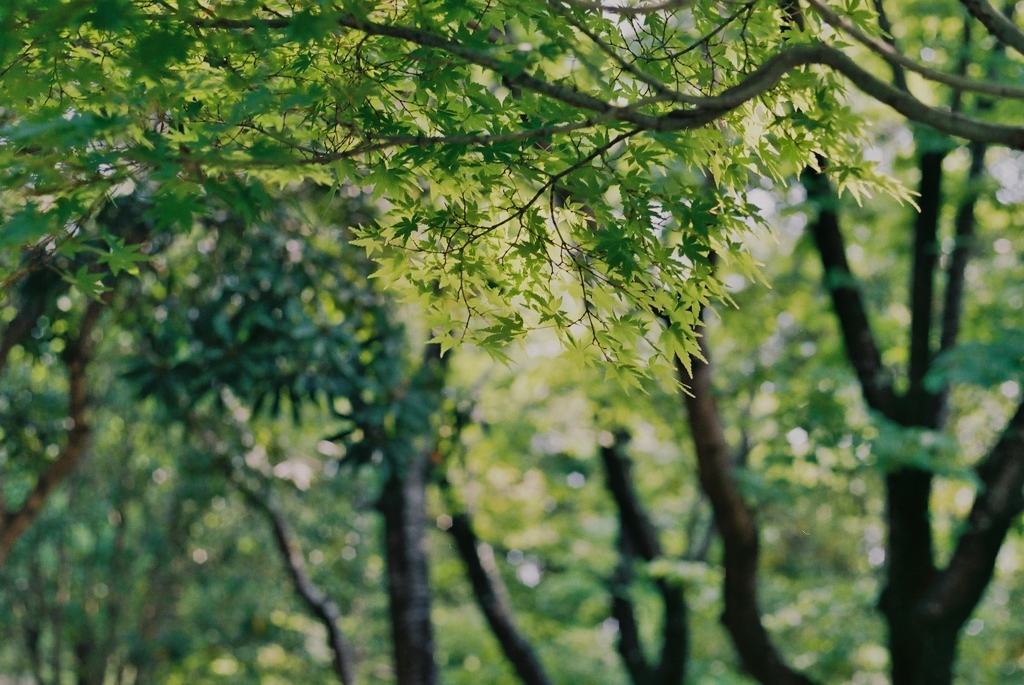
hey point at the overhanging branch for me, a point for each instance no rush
(899, 61)
(998, 24)
(705, 109)
(631, 10)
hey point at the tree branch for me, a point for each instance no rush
(861, 349)
(636, 524)
(962, 249)
(629, 646)
(898, 76)
(76, 355)
(638, 534)
(630, 10)
(964, 230)
(325, 608)
(899, 61)
(378, 143)
(998, 24)
(706, 109)
(487, 590)
(920, 406)
(957, 589)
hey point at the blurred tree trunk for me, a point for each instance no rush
(925, 606)
(490, 596)
(737, 525)
(403, 506)
(318, 601)
(638, 536)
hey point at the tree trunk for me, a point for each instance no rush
(741, 615)
(925, 607)
(403, 505)
(638, 535)
(910, 570)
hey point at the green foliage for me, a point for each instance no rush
(240, 167)
(983, 363)
(493, 190)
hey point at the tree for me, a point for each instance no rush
(575, 166)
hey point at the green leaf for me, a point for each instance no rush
(121, 257)
(88, 283)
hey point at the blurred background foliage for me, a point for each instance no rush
(266, 351)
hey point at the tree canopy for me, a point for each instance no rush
(498, 134)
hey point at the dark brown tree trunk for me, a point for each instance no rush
(919, 405)
(909, 555)
(735, 522)
(925, 607)
(403, 505)
(909, 547)
(910, 569)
